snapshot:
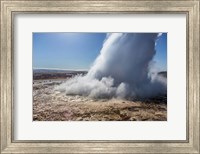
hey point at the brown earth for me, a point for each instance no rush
(51, 105)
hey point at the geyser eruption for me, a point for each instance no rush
(121, 70)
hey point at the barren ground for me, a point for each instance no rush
(51, 105)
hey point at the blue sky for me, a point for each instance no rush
(161, 52)
(79, 50)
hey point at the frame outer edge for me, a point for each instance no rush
(196, 53)
(5, 69)
(3, 77)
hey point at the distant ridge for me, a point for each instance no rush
(40, 74)
(67, 72)
(60, 69)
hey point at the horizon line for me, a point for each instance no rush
(63, 69)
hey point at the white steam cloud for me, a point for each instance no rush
(121, 70)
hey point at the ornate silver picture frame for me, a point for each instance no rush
(9, 8)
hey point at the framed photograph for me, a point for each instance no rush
(117, 83)
(100, 76)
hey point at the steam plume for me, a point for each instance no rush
(121, 70)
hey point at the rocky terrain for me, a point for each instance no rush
(52, 105)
